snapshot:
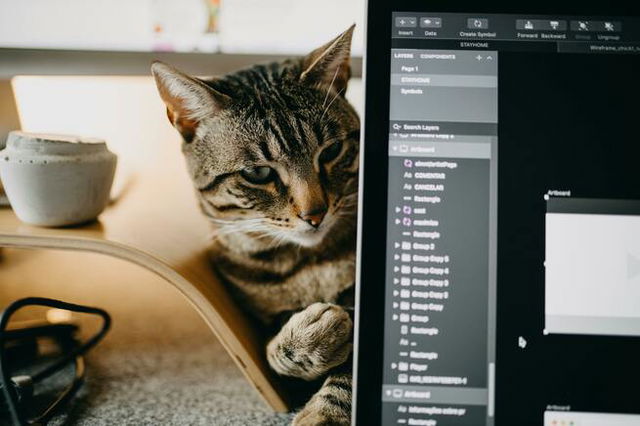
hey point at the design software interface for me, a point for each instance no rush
(513, 261)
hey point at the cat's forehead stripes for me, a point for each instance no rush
(292, 123)
(282, 134)
(264, 149)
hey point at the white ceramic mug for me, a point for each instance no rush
(56, 180)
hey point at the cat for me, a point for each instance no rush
(273, 153)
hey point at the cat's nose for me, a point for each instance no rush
(314, 217)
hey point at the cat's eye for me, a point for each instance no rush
(331, 152)
(258, 175)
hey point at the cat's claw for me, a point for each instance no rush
(312, 342)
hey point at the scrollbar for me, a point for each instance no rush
(491, 390)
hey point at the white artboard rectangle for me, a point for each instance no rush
(592, 274)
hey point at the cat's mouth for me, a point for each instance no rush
(308, 236)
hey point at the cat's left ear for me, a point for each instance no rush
(188, 99)
(327, 67)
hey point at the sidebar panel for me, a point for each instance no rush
(440, 280)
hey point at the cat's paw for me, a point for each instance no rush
(312, 342)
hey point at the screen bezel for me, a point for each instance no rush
(370, 281)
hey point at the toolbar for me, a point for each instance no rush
(514, 27)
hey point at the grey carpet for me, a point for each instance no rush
(174, 386)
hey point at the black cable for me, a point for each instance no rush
(65, 396)
(9, 386)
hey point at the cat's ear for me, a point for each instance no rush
(188, 99)
(328, 67)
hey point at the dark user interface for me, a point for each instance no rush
(513, 235)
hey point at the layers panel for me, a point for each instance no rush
(441, 233)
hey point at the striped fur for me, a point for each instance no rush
(331, 405)
(273, 154)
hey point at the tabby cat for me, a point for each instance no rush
(273, 153)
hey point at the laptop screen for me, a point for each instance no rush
(513, 230)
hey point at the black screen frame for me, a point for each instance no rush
(369, 337)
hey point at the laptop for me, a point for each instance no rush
(499, 239)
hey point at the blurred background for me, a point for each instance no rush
(82, 66)
(211, 26)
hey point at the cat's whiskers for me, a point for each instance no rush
(347, 205)
(255, 225)
(220, 221)
(330, 86)
(330, 103)
(258, 229)
(279, 239)
(229, 229)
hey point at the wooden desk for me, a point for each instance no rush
(157, 225)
